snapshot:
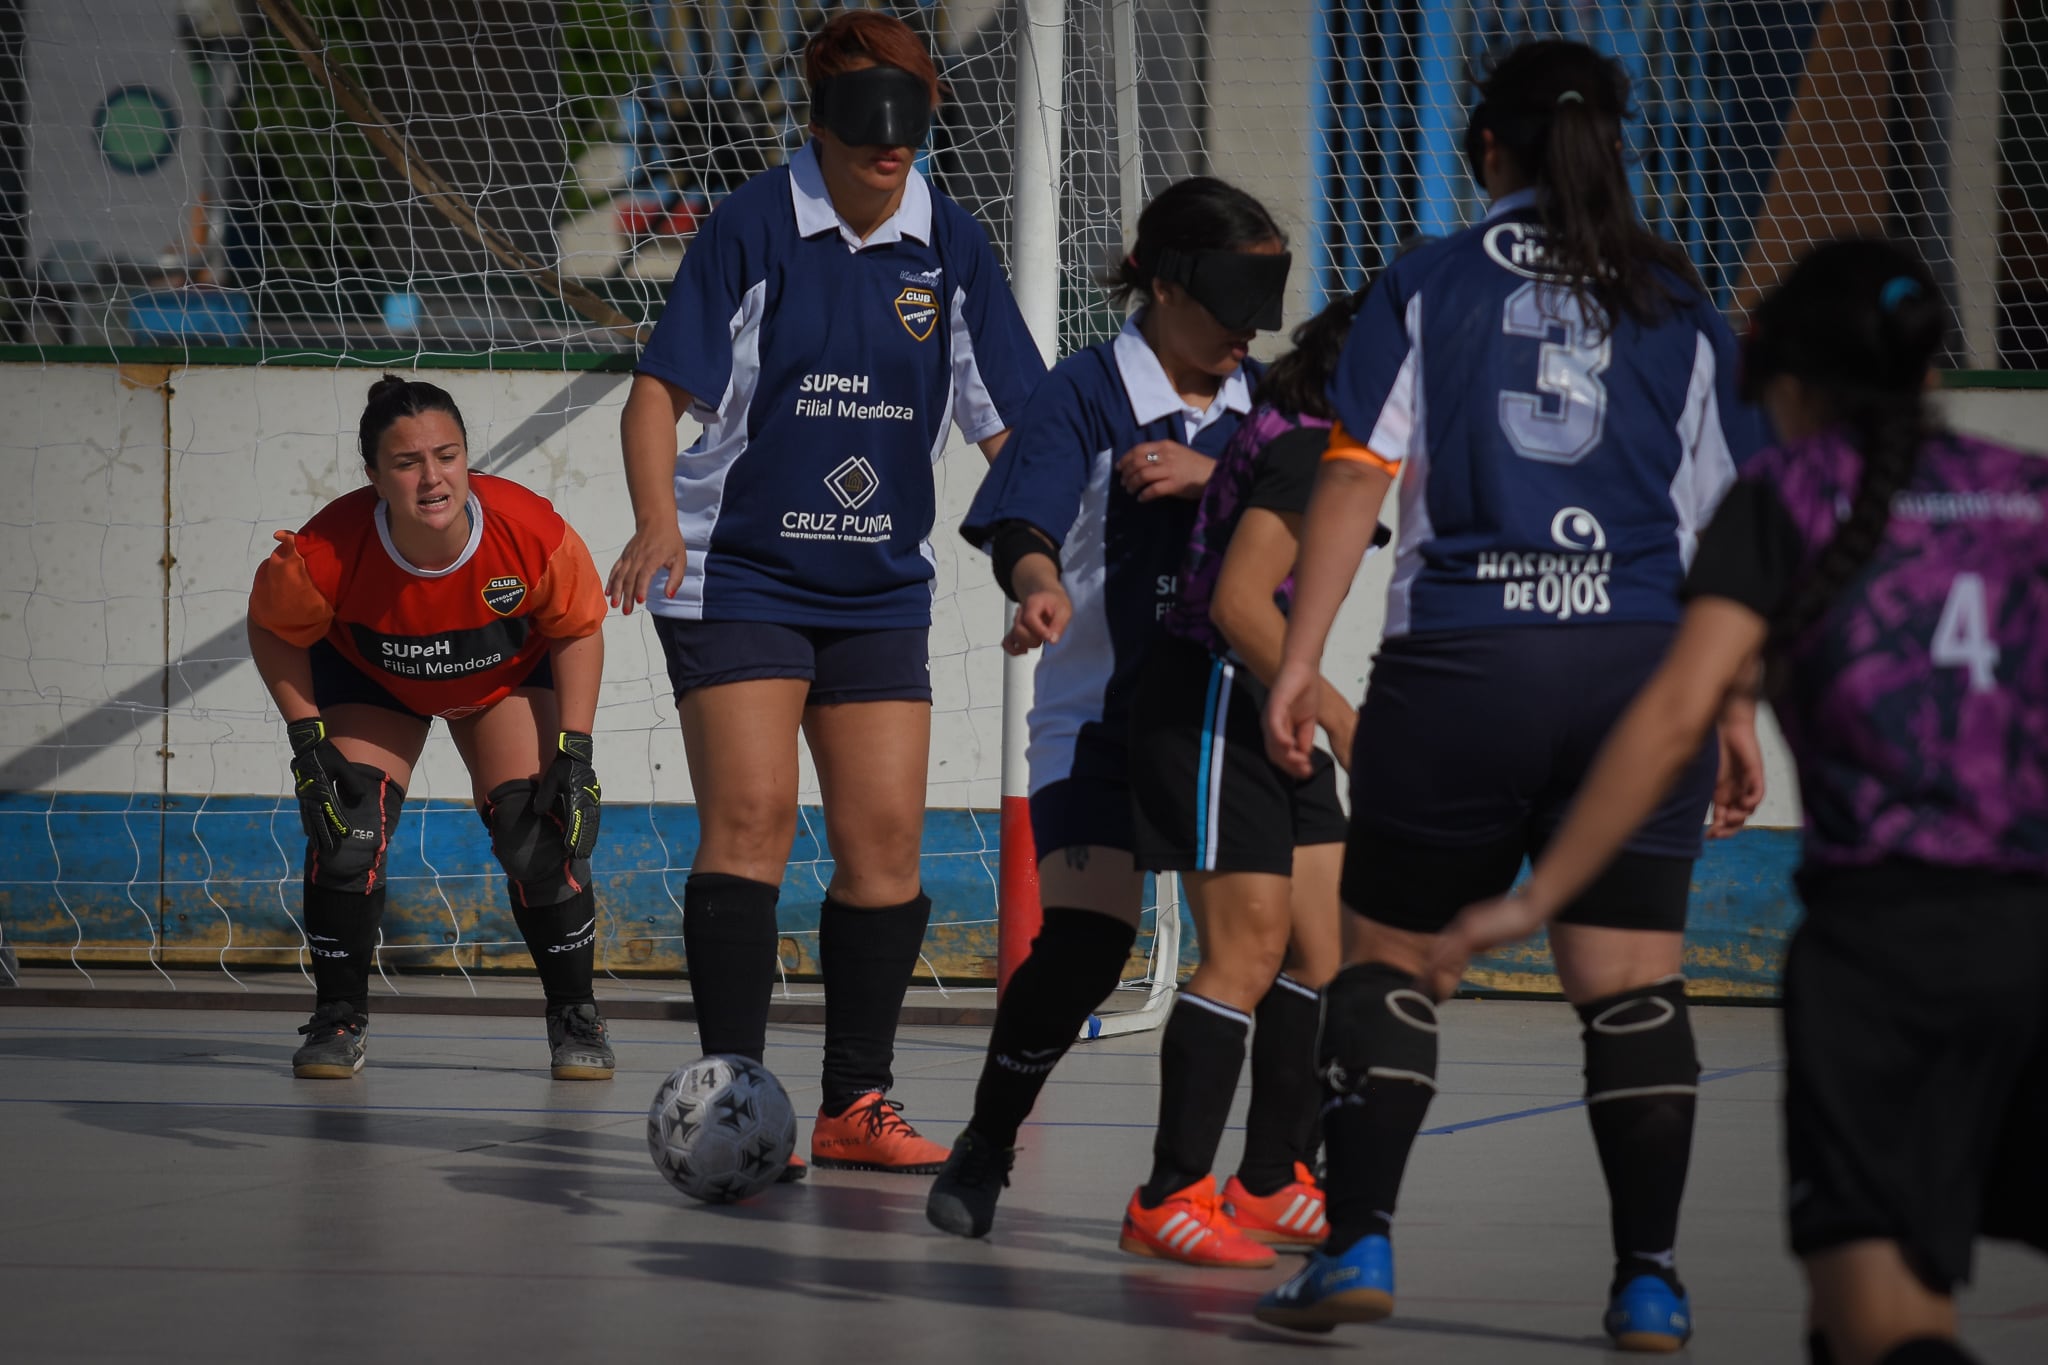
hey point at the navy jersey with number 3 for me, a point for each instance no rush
(1550, 470)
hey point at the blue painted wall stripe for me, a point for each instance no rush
(109, 871)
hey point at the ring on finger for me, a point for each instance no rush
(1151, 457)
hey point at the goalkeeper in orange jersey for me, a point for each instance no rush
(437, 592)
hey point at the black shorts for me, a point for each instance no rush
(1205, 798)
(1078, 811)
(1470, 747)
(1916, 1043)
(337, 682)
(890, 664)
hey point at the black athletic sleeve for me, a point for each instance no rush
(1750, 553)
(1287, 470)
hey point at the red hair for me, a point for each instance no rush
(880, 38)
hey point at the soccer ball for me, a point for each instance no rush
(721, 1129)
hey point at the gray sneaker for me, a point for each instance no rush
(333, 1050)
(577, 1037)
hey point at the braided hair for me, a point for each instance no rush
(1299, 381)
(1858, 323)
(1556, 110)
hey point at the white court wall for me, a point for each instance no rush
(86, 639)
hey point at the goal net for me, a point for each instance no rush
(219, 219)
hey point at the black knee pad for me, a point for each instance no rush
(1376, 1025)
(529, 845)
(357, 866)
(1640, 1043)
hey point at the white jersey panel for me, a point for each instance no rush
(723, 442)
(1072, 675)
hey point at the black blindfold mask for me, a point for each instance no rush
(1241, 289)
(876, 106)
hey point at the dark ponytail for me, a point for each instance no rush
(1858, 323)
(1556, 109)
(1299, 381)
(1197, 214)
(392, 398)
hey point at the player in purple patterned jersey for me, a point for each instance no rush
(1258, 850)
(1893, 580)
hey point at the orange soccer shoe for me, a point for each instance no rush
(1192, 1228)
(872, 1136)
(1291, 1216)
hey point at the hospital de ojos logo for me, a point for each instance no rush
(503, 595)
(917, 308)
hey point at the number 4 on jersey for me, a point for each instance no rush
(1962, 638)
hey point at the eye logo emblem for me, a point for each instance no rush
(1574, 528)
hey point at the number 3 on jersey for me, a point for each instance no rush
(1563, 420)
(1962, 637)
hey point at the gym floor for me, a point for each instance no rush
(168, 1192)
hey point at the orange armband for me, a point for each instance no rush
(1344, 446)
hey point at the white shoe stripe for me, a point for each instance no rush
(1186, 1237)
(1193, 1242)
(1166, 1228)
(1286, 1220)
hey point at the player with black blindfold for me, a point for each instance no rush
(875, 106)
(828, 320)
(1087, 515)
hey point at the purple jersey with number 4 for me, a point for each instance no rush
(1917, 706)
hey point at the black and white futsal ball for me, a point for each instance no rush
(721, 1129)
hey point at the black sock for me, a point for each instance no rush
(867, 958)
(1641, 1077)
(1199, 1061)
(1075, 962)
(1379, 1055)
(1280, 1127)
(563, 941)
(1817, 1350)
(341, 932)
(729, 937)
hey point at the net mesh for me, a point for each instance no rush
(515, 181)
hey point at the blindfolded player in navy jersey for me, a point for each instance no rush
(828, 322)
(1558, 396)
(1086, 514)
(1892, 579)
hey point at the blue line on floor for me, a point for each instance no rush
(1720, 1075)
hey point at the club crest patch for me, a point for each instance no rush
(503, 595)
(917, 308)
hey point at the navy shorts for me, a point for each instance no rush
(337, 682)
(1470, 747)
(891, 664)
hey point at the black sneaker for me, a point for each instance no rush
(963, 1199)
(333, 1050)
(576, 1036)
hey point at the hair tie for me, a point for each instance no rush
(1896, 291)
(1571, 97)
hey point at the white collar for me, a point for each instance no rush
(1152, 394)
(476, 538)
(1526, 198)
(815, 212)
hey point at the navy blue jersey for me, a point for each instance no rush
(1549, 471)
(826, 372)
(1118, 556)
